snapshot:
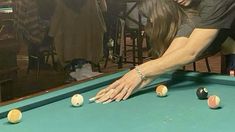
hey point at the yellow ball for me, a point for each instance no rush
(77, 100)
(161, 90)
(14, 116)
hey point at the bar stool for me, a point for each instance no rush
(41, 55)
(134, 25)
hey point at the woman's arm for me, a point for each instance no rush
(177, 44)
(198, 41)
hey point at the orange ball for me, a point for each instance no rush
(161, 90)
(14, 116)
(213, 101)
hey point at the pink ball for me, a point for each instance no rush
(213, 102)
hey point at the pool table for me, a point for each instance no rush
(179, 111)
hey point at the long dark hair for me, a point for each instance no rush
(165, 17)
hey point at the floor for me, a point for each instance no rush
(29, 83)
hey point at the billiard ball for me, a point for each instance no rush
(213, 102)
(14, 116)
(77, 100)
(202, 93)
(161, 90)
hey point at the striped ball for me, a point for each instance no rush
(161, 90)
(213, 102)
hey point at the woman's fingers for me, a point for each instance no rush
(116, 91)
(129, 92)
(120, 96)
(108, 101)
(104, 91)
(105, 97)
(96, 97)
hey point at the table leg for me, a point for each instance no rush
(223, 67)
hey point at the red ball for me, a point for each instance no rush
(213, 102)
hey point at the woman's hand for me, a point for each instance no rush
(122, 88)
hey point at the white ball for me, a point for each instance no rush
(77, 100)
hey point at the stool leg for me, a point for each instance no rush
(120, 62)
(29, 64)
(47, 58)
(96, 66)
(223, 65)
(38, 68)
(124, 48)
(53, 59)
(106, 61)
(133, 52)
(194, 66)
(207, 65)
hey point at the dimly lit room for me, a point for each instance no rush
(77, 64)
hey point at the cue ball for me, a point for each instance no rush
(202, 93)
(77, 100)
(14, 116)
(161, 90)
(213, 102)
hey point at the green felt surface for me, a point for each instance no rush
(179, 111)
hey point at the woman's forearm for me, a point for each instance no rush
(167, 63)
